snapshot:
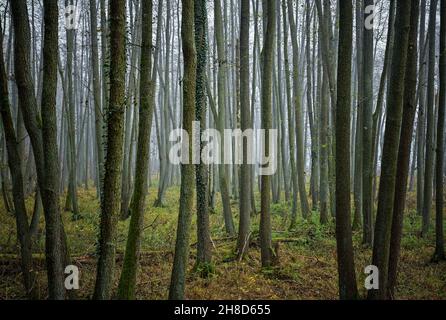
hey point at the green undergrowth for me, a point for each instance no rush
(306, 264)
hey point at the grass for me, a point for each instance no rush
(307, 268)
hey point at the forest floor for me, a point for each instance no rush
(307, 266)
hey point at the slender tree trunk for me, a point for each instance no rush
(381, 247)
(165, 167)
(377, 115)
(222, 67)
(46, 162)
(37, 212)
(105, 68)
(245, 170)
(110, 207)
(204, 245)
(49, 132)
(131, 113)
(409, 111)
(413, 163)
(15, 168)
(72, 184)
(326, 35)
(291, 131)
(300, 163)
(127, 282)
(178, 278)
(99, 120)
(346, 265)
(324, 146)
(8, 202)
(367, 131)
(439, 173)
(281, 107)
(312, 114)
(421, 127)
(267, 57)
(430, 131)
(253, 96)
(358, 154)
(329, 62)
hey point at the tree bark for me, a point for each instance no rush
(430, 125)
(110, 206)
(15, 168)
(381, 247)
(72, 203)
(204, 246)
(46, 163)
(358, 151)
(245, 170)
(300, 160)
(410, 106)
(346, 265)
(291, 131)
(127, 282)
(439, 169)
(267, 62)
(421, 127)
(222, 67)
(181, 258)
(99, 120)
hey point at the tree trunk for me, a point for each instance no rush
(367, 131)
(346, 265)
(222, 67)
(178, 278)
(358, 154)
(386, 195)
(439, 176)
(421, 127)
(15, 168)
(291, 131)
(245, 170)
(430, 131)
(46, 162)
(312, 114)
(267, 62)
(282, 107)
(127, 282)
(300, 161)
(72, 180)
(110, 206)
(324, 146)
(409, 111)
(99, 120)
(204, 246)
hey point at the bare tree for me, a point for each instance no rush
(204, 254)
(439, 173)
(15, 168)
(245, 171)
(111, 198)
(127, 282)
(381, 247)
(346, 266)
(267, 65)
(178, 278)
